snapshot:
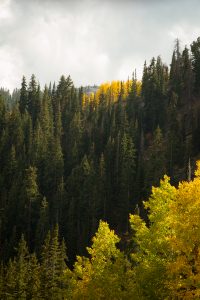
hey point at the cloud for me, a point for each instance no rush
(93, 41)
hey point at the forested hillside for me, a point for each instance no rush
(70, 159)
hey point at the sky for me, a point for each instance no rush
(93, 41)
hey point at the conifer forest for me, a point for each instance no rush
(100, 190)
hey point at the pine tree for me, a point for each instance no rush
(17, 273)
(102, 188)
(2, 114)
(34, 101)
(31, 201)
(23, 102)
(46, 117)
(33, 280)
(195, 49)
(188, 77)
(52, 266)
(126, 178)
(42, 224)
(10, 288)
(155, 161)
(2, 281)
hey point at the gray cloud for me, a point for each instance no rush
(93, 41)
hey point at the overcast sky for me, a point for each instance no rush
(92, 40)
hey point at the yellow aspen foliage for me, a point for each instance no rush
(164, 262)
(111, 91)
(85, 100)
(102, 276)
(184, 269)
(167, 257)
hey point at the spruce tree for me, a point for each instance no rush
(31, 202)
(52, 266)
(23, 101)
(195, 49)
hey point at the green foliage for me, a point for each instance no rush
(102, 276)
(17, 273)
(53, 258)
(167, 252)
(195, 49)
(162, 263)
(155, 160)
(152, 249)
(28, 278)
(72, 158)
(23, 101)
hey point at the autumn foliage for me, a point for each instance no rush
(165, 259)
(110, 91)
(161, 261)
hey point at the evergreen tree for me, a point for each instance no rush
(34, 101)
(23, 101)
(195, 49)
(2, 281)
(17, 273)
(155, 161)
(31, 201)
(33, 280)
(52, 266)
(126, 179)
(42, 224)
(188, 77)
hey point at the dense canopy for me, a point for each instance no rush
(71, 157)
